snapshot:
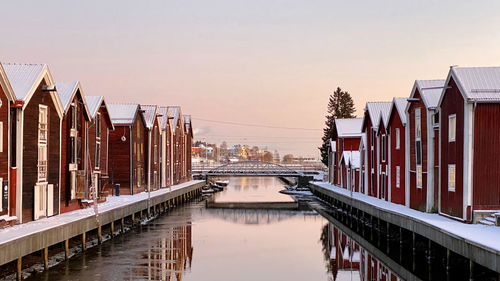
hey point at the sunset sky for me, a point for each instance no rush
(271, 63)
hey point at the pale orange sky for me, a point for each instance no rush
(260, 62)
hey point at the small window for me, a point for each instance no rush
(383, 148)
(418, 148)
(418, 125)
(419, 176)
(98, 125)
(97, 154)
(451, 177)
(398, 140)
(398, 177)
(452, 127)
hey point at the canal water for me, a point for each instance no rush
(193, 242)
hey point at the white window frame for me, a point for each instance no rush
(450, 186)
(452, 137)
(98, 154)
(384, 148)
(42, 160)
(98, 125)
(419, 176)
(398, 176)
(398, 139)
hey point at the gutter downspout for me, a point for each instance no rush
(60, 165)
(149, 169)
(130, 139)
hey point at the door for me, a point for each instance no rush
(40, 210)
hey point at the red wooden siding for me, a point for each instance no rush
(119, 158)
(452, 152)
(486, 167)
(4, 155)
(397, 158)
(155, 161)
(372, 176)
(92, 140)
(383, 163)
(66, 203)
(418, 195)
(30, 151)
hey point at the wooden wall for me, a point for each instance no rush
(486, 165)
(30, 151)
(371, 184)
(452, 152)
(4, 155)
(119, 158)
(418, 196)
(397, 158)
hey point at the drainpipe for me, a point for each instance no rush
(149, 168)
(130, 139)
(60, 164)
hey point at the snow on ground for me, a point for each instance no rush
(112, 202)
(484, 236)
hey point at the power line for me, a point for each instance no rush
(255, 125)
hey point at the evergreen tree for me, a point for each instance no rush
(340, 105)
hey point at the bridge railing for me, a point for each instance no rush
(201, 168)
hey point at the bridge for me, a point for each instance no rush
(249, 169)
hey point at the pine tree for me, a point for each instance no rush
(340, 105)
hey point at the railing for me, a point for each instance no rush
(200, 168)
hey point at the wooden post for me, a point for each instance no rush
(448, 265)
(19, 268)
(84, 243)
(46, 258)
(66, 249)
(388, 238)
(99, 234)
(133, 218)
(112, 227)
(122, 224)
(471, 270)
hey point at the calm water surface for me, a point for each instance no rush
(196, 243)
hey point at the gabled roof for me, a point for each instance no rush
(477, 84)
(163, 111)
(67, 91)
(94, 103)
(5, 85)
(349, 127)
(375, 111)
(24, 79)
(187, 121)
(352, 158)
(174, 112)
(149, 112)
(123, 113)
(430, 90)
(399, 105)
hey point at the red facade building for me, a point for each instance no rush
(422, 129)
(153, 155)
(166, 147)
(469, 143)
(397, 162)
(177, 144)
(35, 141)
(74, 150)
(346, 137)
(98, 145)
(127, 148)
(349, 170)
(188, 143)
(371, 121)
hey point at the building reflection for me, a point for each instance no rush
(346, 260)
(170, 256)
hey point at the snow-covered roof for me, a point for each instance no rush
(66, 91)
(5, 85)
(333, 145)
(478, 84)
(349, 127)
(351, 158)
(377, 109)
(399, 104)
(93, 103)
(149, 112)
(123, 113)
(174, 112)
(163, 111)
(430, 90)
(187, 121)
(24, 78)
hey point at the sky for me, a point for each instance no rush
(267, 63)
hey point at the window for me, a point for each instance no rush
(97, 154)
(419, 176)
(398, 177)
(382, 183)
(42, 142)
(451, 177)
(383, 148)
(372, 139)
(98, 125)
(452, 127)
(398, 140)
(418, 125)
(372, 157)
(418, 137)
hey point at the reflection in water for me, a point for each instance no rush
(253, 189)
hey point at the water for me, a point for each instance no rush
(196, 243)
